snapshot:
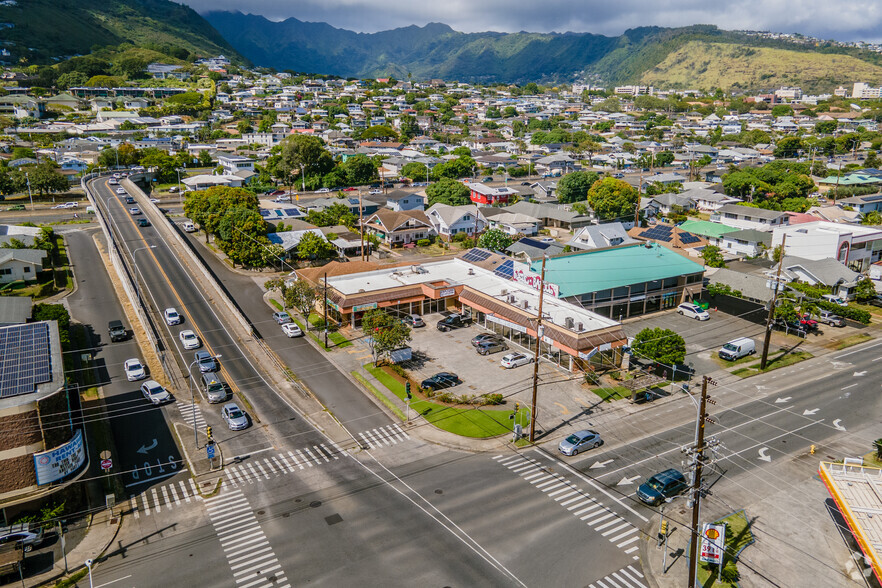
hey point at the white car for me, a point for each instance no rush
(172, 317)
(113, 182)
(513, 360)
(189, 340)
(375, 191)
(154, 392)
(135, 370)
(291, 330)
(121, 191)
(690, 310)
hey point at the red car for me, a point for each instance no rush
(807, 322)
(350, 189)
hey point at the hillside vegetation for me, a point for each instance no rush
(704, 65)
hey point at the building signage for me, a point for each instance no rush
(505, 323)
(533, 280)
(713, 537)
(58, 463)
(447, 292)
(330, 303)
(361, 307)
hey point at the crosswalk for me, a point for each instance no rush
(165, 497)
(281, 463)
(383, 436)
(627, 577)
(191, 414)
(251, 557)
(577, 501)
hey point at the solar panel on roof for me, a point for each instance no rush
(687, 238)
(506, 270)
(476, 255)
(24, 358)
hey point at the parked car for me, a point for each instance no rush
(488, 347)
(154, 392)
(478, 339)
(690, 310)
(282, 198)
(234, 416)
(189, 340)
(205, 361)
(454, 321)
(807, 322)
(440, 380)
(291, 330)
(513, 360)
(323, 190)
(662, 486)
(580, 441)
(488, 179)
(413, 320)
(143, 222)
(828, 318)
(834, 299)
(21, 534)
(282, 318)
(172, 317)
(134, 369)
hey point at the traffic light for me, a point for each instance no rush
(208, 432)
(407, 390)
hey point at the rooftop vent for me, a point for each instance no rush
(526, 304)
(568, 322)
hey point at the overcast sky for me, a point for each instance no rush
(845, 20)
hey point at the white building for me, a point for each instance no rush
(855, 246)
(234, 163)
(864, 91)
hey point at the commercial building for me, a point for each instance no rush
(42, 443)
(856, 246)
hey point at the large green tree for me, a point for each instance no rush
(574, 187)
(385, 333)
(613, 199)
(661, 345)
(495, 240)
(302, 296)
(359, 169)
(448, 191)
(314, 247)
(302, 154)
(46, 179)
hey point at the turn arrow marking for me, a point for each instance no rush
(762, 454)
(838, 424)
(780, 400)
(153, 445)
(600, 464)
(810, 412)
(859, 374)
(626, 481)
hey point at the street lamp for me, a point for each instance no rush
(30, 196)
(135, 261)
(89, 565)
(193, 397)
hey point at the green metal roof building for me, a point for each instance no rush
(620, 282)
(706, 228)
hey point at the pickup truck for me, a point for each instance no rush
(117, 331)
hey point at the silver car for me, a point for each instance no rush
(155, 393)
(235, 417)
(580, 441)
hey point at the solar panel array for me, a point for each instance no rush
(24, 359)
(687, 238)
(506, 270)
(666, 233)
(534, 243)
(476, 255)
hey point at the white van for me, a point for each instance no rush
(189, 227)
(737, 348)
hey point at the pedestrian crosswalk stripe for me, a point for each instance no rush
(567, 495)
(155, 500)
(628, 541)
(303, 458)
(531, 476)
(619, 525)
(246, 559)
(296, 461)
(632, 549)
(184, 491)
(603, 517)
(559, 490)
(174, 494)
(312, 456)
(254, 557)
(271, 467)
(623, 535)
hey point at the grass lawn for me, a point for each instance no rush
(276, 304)
(614, 393)
(473, 422)
(776, 360)
(335, 339)
(850, 341)
(738, 536)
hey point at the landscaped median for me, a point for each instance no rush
(316, 331)
(738, 537)
(475, 422)
(778, 359)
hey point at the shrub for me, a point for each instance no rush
(428, 392)
(446, 397)
(856, 314)
(730, 573)
(423, 243)
(398, 370)
(46, 289)
(493, 399)
(465, 399)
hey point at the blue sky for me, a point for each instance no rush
(845, 20)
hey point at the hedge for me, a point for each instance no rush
(856, 314)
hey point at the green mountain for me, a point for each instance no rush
(41, 31)
(641, 55)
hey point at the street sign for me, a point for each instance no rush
(209, 450)
(713, 538)
(106, 464)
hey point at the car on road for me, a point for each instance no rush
(350, 189)
(829, 318)
(482, 337)
(130, 199)
(57, 206)
(143, 222)
(440, 380)
(120, 191)
(113, 182)
(205, 361)
(580, 441)
(413, 320)
(189, 340)
(662, 486)
(526, 183)
(488, 347)
(513, 360)
(291, 330)
(117, 331)
(690, 310)
(155, 393)
(16, 207)
(234, 416)
(488, 179)
(134, 210)
(454, 321)
(282, 318)
(188, 227)
(322, 190)
(172, 317)
(282, 198)
(375, 191)
(21, 534)
(134, 369)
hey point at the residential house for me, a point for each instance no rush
(26, 235)
(400, 200)
(544, 191)
(552, 216)
(289, 240)
(600, 236)
(233, 164)
(528, 249)
(746, 217)
(708, 200)
(747, 242)
(398, 228)
(20, 264)
(713, 233)
(673, 203)
(513, 223)
(863, 204)
(670, 236)
(205, 181)
(827, 272)
(448, 221)
(489, 196)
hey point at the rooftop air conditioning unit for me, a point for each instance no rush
(580, 327)
(526, 304)
(568, 322)
(504, 292)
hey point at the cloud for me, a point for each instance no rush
(845, 20)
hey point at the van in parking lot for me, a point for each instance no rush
(737, 348)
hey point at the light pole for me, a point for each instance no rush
(303, 176)
(177, 169)
(193, 397)
(89, 565)
(30, 196)
(135, 261)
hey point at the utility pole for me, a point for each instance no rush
(536, 352)
(768, 336)
(695, 493)
(361, 224)
(325, 306)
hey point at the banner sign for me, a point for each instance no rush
(58, 463)
(713, 538)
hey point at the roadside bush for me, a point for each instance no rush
(398, 370)
(730, 573)
(46, 289)
(856, 314)
(423, 243)
(428, 392)
(493, 399)
(446, 397)
(465, 399)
